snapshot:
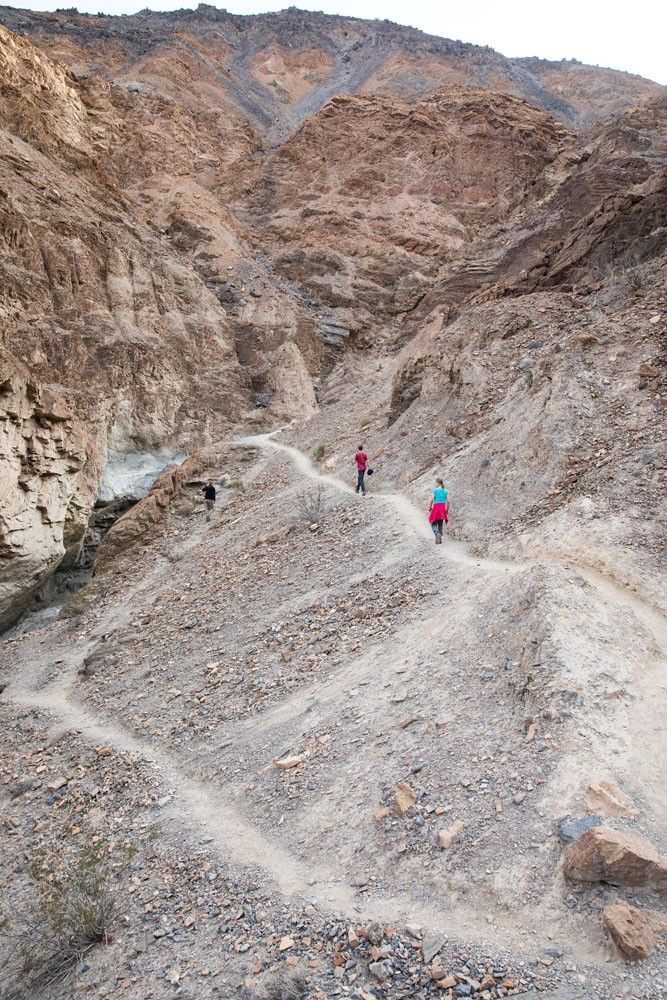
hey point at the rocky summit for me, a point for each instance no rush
(279, 744)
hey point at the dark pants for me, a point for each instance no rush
(437, 527)
(360, 481)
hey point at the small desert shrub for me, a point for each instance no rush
(311, 505)
(285, 986)
(634, 279)
(318, 452)
(76, 909)
(236, 484)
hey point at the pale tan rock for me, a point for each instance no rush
(290, 384)
(447, 837)
(56, 784)
(602, 854)
(404, 797)
(635, 932)
(173, 975)
(607, 799)
(48, 468)
(285, 763)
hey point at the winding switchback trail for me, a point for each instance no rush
(411, 516)
(220, 812)
(650, 687)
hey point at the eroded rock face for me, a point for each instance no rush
(215, 266)
(367, 226)
(635, 932)
(94, 296)
(291, 387)
(96, 302)
(57, 116)
(279, 68)
(48, 469)
(606, 855)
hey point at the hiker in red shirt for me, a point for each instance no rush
(361, 458)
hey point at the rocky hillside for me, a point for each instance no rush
(300, 751)
(278, 69)
(365, 236)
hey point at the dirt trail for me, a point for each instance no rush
(409, 514)
(203, 809)
(197, 807)
(644, 757)
(611, 589)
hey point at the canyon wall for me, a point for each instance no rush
(205, 218)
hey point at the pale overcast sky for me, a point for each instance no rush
(624, 35)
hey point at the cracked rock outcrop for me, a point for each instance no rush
(47, 475)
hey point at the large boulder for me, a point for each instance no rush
(635, 932)
(606, 855)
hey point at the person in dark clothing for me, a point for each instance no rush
(361, 458)
(209, 498)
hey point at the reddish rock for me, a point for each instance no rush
(635, 932)
(606, 855)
